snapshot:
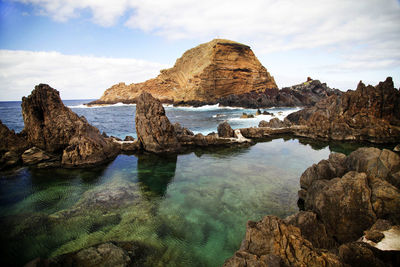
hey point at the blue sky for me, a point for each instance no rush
(83, 47)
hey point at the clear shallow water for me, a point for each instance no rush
(190, 209)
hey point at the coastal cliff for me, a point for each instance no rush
(220, 71)
(204, 73)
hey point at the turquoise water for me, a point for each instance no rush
(189, 209)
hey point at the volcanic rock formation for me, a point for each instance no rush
(153, 128)
(304, 94)
(220, 71)
(343, 197)
(54, 128)
(205, 73)
(366, 114)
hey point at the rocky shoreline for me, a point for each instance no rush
(350, 216)
(54, 136)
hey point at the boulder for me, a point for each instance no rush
(343, 204)
(153, 128)
(54, 128)
(273, 242)
(312, 229)
(225, 130)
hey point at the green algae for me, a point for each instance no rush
(189, 210)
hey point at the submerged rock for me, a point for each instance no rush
(54, 128)
(153, 128)
(118, 254)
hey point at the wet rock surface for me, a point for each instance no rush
(54, 128)
(344, 198)
(370, 113)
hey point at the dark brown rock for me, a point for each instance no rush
(271, 239)
(180, 130)
(384, 164)
(129, 138)
(35, 155)
(54, 128)
(312, 229)
(304, 94)
(225, 130)
(366, 114)
(343, 204)
(374, 236)
(360, 254)
(11, 147)
(153, 128)
(274, 123)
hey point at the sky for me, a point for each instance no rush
(83, 47)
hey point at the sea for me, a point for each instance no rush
(189, 209)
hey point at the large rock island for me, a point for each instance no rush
(220, 71)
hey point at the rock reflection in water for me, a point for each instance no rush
(155, 172)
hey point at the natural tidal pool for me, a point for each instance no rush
(187, 210)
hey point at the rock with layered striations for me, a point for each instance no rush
(54, 128)
(153, 128)
(203, 74)
(366, 114)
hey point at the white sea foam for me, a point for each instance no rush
(119, 104)
(281, 114)
(208, 108)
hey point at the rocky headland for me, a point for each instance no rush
(220, 71)
(350, 216)
(368, 114)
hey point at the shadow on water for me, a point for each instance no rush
(155, 172)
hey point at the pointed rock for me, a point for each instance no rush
(153, 128)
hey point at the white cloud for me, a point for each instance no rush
(74, 76)
(349, 28)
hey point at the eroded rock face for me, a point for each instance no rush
(343, 198)
(366, 114)
(304, 94)
(52, 127)
(204, 74)
(153, 128)
(225, 130)
(11, 146)
(272, 242)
